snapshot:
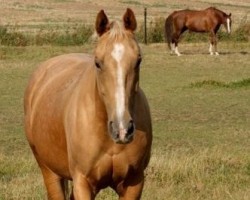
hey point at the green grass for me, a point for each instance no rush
(233, 84)
(201, 120)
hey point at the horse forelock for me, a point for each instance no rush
(117, 32)
(116, 29)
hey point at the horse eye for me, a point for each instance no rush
(97, 65)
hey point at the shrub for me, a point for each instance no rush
(156, 31)
(79, 34)
(12, 38)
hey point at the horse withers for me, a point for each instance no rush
(208, 20)
(87, 119)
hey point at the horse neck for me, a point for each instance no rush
(220, 15)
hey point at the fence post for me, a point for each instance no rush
(145, 26)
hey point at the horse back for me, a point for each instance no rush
(195, 20)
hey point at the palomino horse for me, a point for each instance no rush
(87, 120)
(208, 20)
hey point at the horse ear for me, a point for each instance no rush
(129, 20)
(230, 14)
(101, 24)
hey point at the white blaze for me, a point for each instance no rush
(228, 25)
(117, 54)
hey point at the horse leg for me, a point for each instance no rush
(131, 189)
(176, 49)
(54, 184)
(82, 189)
(172, 46)
(213, 44)
(175, 43)
(215, 47)
(211, 48)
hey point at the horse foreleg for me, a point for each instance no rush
(82, 189)
(172, 46)
(215, 49)
(213, 44)
(54, 184)
(132, 188)
(176, 50)
(211, 49)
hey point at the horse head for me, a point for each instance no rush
(227, 22)
(117, 61)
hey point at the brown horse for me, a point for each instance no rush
(86, 118)
(208, 20)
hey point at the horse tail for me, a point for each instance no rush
(169, 30)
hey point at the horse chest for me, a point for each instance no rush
(111, 169)
(116, 163)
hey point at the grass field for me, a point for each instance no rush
(200, 106)
(201, 134)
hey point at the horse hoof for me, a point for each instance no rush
(216, 53)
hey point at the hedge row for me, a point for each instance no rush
(81, 34)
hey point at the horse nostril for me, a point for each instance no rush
(113, 130)
(131, 127)
(111, 127)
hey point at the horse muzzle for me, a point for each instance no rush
(122, 134)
